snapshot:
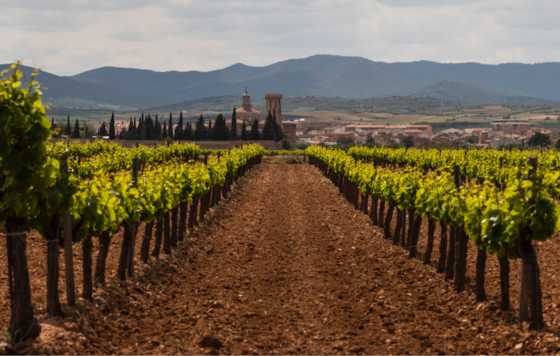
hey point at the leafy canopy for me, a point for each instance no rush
(25, 168)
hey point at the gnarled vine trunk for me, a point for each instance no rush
(480, 275)
(192, 214)
(381, 212)
(125, 251)
(145, 248)
(403, 238)
(415, 235)
(504, 283)
(101, 264)
(410, 232)
(530, 301)
(365, 201)
(388, 219)
(23, 324)
(399, 227)
(355, 196)
(430, 243)
(373, 210)
(442, 247)
(159, 237)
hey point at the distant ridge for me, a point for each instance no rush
(321, 75)
(468, 95)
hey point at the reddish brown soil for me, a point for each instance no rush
(287, 266)
(37, 257)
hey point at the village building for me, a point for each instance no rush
(289, 129)
(512, 127)
(410, 130)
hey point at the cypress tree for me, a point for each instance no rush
(209, 131)
(68, 128)
(220, 132)
(276, 129)
(141, 128)
(200, 130)
(170, 126)
(102, 130)
(112, 127)
(130, 131)
(188, 134)
(157, 129)
(134, 129)
(268, 129)
(76, 132)
(149, 124)
(254, 134)
(149, 128)
(244, 133)
(234, 124)
(179, 128)
(164, 131)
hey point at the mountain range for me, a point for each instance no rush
(115, 88)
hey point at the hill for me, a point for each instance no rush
(319, 76)
(470, 95)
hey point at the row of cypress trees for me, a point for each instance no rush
(148, 128)
(68, 130)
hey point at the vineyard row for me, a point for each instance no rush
(501, 220)
(170, 196)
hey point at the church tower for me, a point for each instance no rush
(246, 101)
(247, 112)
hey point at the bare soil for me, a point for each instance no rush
(288, 266)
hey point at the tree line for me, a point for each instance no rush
(147, 127)
(69, 130)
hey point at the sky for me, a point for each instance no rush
(70, 36)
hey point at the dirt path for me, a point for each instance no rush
(287, 266)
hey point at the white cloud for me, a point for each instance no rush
(69, 36)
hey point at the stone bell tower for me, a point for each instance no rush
(274, 106)
(246, 104)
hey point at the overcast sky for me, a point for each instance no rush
(69, 36)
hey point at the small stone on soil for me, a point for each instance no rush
(210, 341)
